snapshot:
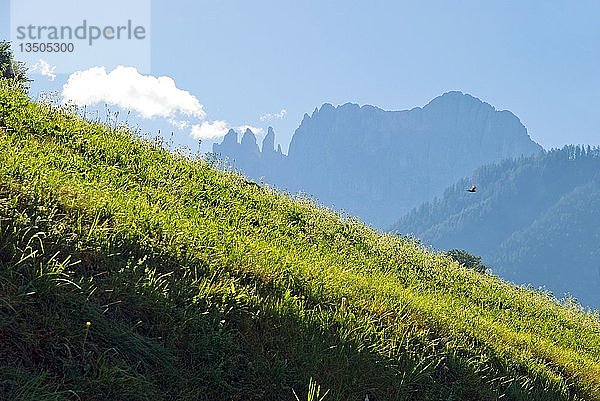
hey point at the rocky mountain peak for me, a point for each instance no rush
(268, 144)
(378, 164)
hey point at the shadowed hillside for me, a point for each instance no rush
(534, 220)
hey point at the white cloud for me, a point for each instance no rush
(149, 96)
(125, 87)
(218, 128)
(179, 124)
(208, 130)
(273, 116)
(44, 68)
(255, 130)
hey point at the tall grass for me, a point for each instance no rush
(200, 285)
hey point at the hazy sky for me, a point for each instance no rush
(242, 59)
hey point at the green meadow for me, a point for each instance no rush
(131, 272)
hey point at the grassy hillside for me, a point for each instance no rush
(128, 272)
(534, 220)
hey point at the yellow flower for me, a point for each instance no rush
(88, 324)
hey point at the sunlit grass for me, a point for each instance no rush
(200, 285)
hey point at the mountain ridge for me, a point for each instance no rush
(343, 155)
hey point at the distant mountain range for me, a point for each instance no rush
(378, 164)
(534, 220)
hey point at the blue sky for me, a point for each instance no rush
(241, 59)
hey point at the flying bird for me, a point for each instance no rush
(472, 189)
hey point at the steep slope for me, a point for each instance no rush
(200, 285)
(535, 220)
(374, 163)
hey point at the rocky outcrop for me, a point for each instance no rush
(379, 164)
